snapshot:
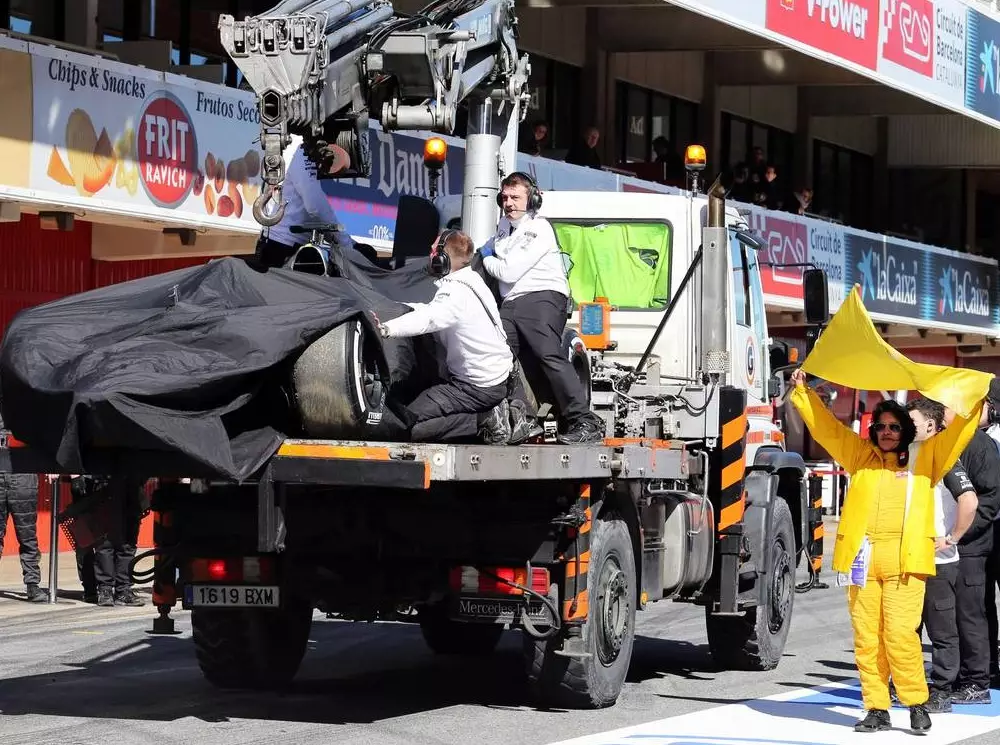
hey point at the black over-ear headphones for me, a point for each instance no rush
(440, 260)
(534, 196)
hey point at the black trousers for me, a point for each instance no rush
(451, 411)
(19, 500)
(271, 253)
(534, 324)
(85, 568)
(941, 620)
(973, 630)
(114, 553)
(992, 579)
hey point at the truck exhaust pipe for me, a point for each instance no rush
(714, 287)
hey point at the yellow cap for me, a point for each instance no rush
(694, 157)
(435, 152)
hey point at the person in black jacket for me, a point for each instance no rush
(982, 463)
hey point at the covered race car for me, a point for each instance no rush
(217, 364)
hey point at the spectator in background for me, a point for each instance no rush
(741, 190)
(981, 461)
(19, 500)
(758, 165)
(114, 553)
(584, 151)
(801, 201)
(664, 152)
(955, 505)
(535, 143)
(769, 193)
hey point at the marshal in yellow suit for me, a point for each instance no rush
(886, 612)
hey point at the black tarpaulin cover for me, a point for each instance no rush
(184, 362)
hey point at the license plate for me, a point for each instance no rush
(231, 596)
(499, 610)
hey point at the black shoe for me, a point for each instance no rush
(877, 720)
(36, 594)
(494, 428)
(920, 720)
(105, 597)
(970, 693)
(581, 431)
(522, 427)
(129, 597)
(939, 702)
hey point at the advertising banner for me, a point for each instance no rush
(796, 240)
(848, 29)
(137, 140)
(915, 282)
(922, 43)
(982, 60)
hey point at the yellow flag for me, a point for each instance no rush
(851, 353)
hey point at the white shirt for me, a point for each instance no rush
(526, 258)
(945, 511)
(471, 331)
(305, 200)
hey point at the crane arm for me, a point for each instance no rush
(322, 68)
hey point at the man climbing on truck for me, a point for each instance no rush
(525, 257)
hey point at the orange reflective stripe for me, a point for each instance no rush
(733, 513)
(346, 452)
(733, 431)
(584, 565)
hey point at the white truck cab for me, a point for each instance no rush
(633, 250)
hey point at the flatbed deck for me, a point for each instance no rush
(406, 465)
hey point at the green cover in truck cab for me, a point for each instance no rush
(626, 262)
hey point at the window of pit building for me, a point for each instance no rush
(843, 184)
(740, 136)
(625, 261)
(554, 90)
(19, 24)
(644, 115)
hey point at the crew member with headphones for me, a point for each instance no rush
(464, 314)
(525, 257)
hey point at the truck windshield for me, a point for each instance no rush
(626, 261)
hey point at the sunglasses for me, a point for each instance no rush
(882, 427)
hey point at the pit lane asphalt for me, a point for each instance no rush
(85, 675)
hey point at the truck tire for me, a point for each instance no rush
(249, 648)
(337, 387)
(756, 640)
(596, 681)
(446, 636)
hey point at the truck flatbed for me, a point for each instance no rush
(404, 465)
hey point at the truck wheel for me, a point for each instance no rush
(756, 639)
(445, 636)
(337, 385)
(249, 648)
(596, 681)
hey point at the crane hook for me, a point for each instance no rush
(262, 199)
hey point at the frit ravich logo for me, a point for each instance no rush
(168, 150)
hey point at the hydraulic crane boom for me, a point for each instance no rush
(321, 68)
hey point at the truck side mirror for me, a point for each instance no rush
(815, 295)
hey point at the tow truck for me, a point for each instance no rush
(691, 497)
